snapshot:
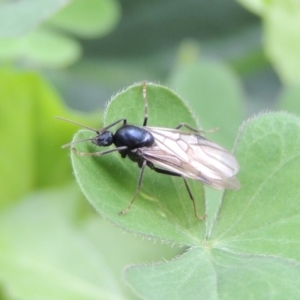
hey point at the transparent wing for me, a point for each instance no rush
(193, 156)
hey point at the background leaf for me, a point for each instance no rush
(20, 17)
(281, 20)
(45, 45)
(88, 18)
(289, 99)
(41, 47)
(31, 137)
(214, 107)
(256, 6)
(48, 255)
(282, 25)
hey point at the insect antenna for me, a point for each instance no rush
(76, 142)
(77, 123)
(81, 125)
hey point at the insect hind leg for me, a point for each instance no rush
(146, 103)
(166, 172)
(193, 200)
(196, 130)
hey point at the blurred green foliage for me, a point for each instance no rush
(226, 60)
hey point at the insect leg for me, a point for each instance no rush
(193, 200)
(113, 124)
(92, 129)
(166, 172)
(196, 130)
(146, 103)
(98, 153)
(123, 212)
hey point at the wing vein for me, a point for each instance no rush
(192, 156)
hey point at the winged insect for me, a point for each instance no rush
(168, 151)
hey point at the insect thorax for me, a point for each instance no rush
(133, 137)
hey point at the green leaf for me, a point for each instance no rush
(289, 99)
(252, 251)
(41, 47)
(282, 41)
(281, 20)
(88, 18)
(220, 275)
(256, 6)
(215, 94)
(163, 208)
(30, 137)
(261, 218)
(44, 256)
(20, 17)
(50, 49)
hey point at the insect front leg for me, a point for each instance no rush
(123, 212)
(196, 130)
(114, 123)
(99, 153)
(166, 172)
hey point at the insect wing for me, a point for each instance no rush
(192, 156)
